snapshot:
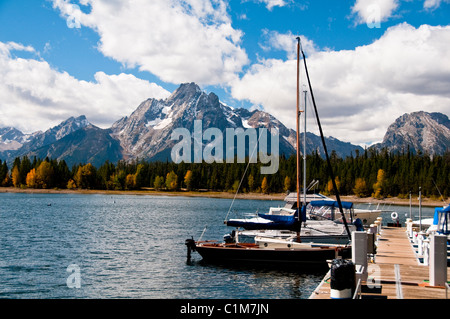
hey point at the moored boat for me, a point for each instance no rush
(280, 251)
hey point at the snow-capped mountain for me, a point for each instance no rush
(146, 133)
(41, 139)
(74, 140)
(12, 139)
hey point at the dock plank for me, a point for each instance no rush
(394, 249)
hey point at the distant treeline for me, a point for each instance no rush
(379, 174)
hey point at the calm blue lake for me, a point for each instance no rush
(127, 246)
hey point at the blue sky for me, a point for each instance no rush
(370, 60)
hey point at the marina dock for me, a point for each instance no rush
(394, 273)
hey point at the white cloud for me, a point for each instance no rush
(270, 4)
(283, 41)
(373, 11)
(34, 96)
(433, 4)
(360, 92)
(178, 41)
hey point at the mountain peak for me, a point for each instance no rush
(418, 131)
(185, 91)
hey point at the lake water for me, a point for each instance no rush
(127, 246)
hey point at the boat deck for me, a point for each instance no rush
(396, 269)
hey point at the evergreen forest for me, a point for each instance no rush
(379, 174)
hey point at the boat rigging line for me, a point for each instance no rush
(330, 168)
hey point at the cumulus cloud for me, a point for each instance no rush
(433, 4)
(270, 4)
(178, 41)
(34, 96)
(374, 11)
(360, 92)
(273, 40)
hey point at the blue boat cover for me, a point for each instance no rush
(287, 222)
(331, 203)
(438, 211)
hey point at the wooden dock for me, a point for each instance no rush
(396, 270)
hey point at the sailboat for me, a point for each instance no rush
(280, 251)
(321, 225)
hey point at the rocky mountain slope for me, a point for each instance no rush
(419, 132)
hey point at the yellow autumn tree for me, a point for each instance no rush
(171, 181)
(130, 181)
(189, 179)
(159, 182)
(360, 189)
(31, 179)
(44, 175)
(85, 176)
(71, 184)
(15, 176)
(330, 185)
(287, 183)
(265, 186)
(379, 186)
(251, 183)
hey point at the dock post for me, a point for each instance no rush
(409, 227)
(379, 223)
(359, 251)
(420, 239)
(426, 251)
(438, 260)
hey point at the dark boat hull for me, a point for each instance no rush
(281, 256)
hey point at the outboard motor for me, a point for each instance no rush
(190, 244)
(228, 239)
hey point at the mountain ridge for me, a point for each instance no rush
(146, 132)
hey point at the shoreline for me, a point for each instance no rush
(226, 195)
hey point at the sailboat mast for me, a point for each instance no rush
(330, 168)
(297, 127)
(304, 153)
